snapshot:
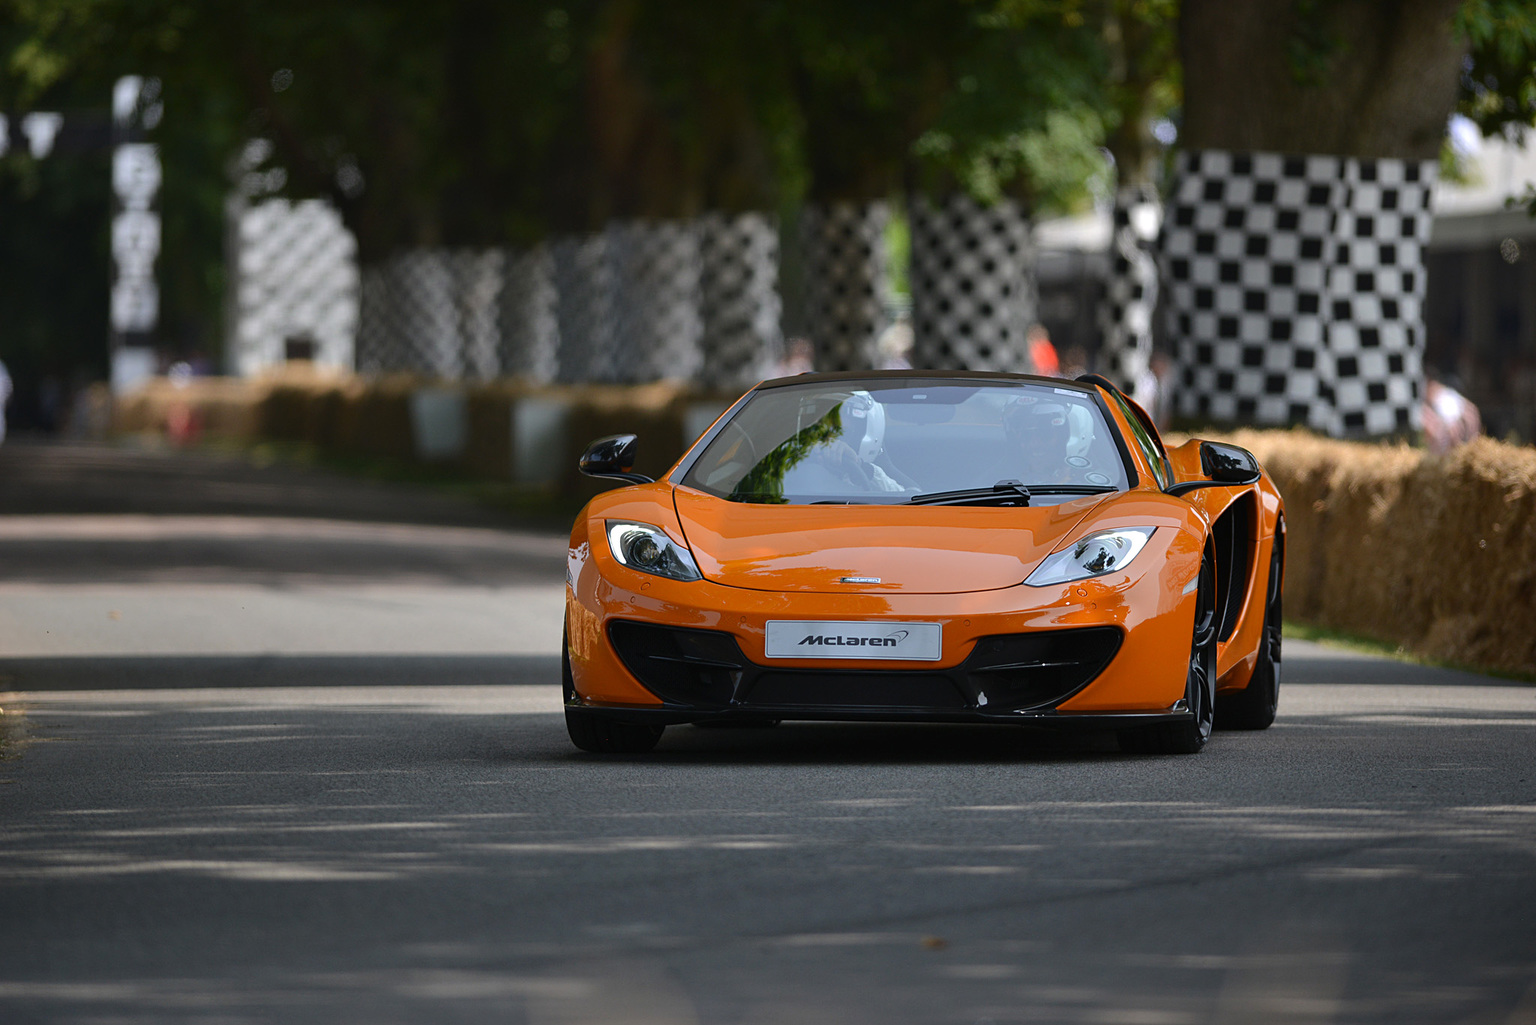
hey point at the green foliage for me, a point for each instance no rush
(1498, 82)
(479, 122)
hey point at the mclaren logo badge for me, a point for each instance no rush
(834, 640)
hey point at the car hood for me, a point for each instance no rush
(909, 549)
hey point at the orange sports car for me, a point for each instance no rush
(929, 547)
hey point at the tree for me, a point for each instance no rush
(1302, 203)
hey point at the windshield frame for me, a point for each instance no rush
(913, 378)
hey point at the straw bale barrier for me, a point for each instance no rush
(218, 406)
(1434, 553)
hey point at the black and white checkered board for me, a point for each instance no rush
(1130, 294)
(655, 281)
(1295, 289)
(972, 300)
(843, 253)
(738, 297)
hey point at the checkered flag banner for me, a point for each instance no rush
(738, 297)
(584, 309)
(638, 301)
(1130, 294)
(655, 280)
(843, 249)
(433, 312)
(972, 284)
(295, 268)
(1296, 286)
(530, 325)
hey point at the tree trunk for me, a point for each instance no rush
(530, 329)
(655, 280)
(1357, 78)
(738, 297)
(973, 293)
(843, 265)
(1130, 295)
(584, 309)
(1294, 239)
(1295, 287)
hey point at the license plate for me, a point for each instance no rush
(890, 640)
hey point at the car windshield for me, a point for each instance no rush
(893, 442)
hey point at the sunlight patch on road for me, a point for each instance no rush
(78, 620)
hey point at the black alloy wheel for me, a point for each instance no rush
(1189, 736)
(597, 733)
(1253, 707)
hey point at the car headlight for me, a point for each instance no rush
(1095, 555)
(649, 550)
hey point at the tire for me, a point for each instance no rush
(1189, 737)
(1253, 707)
(596, 733)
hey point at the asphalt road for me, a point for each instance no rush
(304, 762)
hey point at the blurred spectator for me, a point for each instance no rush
(1074, 362)
(896, 346)
(1042, 354)
(797, 359)
(5, 396)
(1449, 418)
(1152, 391)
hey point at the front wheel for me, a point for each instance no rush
(1189, 736)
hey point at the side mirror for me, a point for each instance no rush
(1225, 465)
(1228, 464)
(613, 456)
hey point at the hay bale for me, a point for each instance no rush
(1433, 553)
(376, 421)
(489, 406)
(223, 407)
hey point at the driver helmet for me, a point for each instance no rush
(1041, 429)
(864, 425)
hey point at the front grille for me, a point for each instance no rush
(705, 669)
(830, 689)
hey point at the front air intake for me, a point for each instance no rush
(705, 669)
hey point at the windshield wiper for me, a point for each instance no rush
(1007, 492)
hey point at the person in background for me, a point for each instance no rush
(1042, 354)
(1450, 419)
(895, 345)
(1152, 391)
(5, 397)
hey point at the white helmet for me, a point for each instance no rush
(864, 419)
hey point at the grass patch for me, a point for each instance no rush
(1385, 649)
(13, 727)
